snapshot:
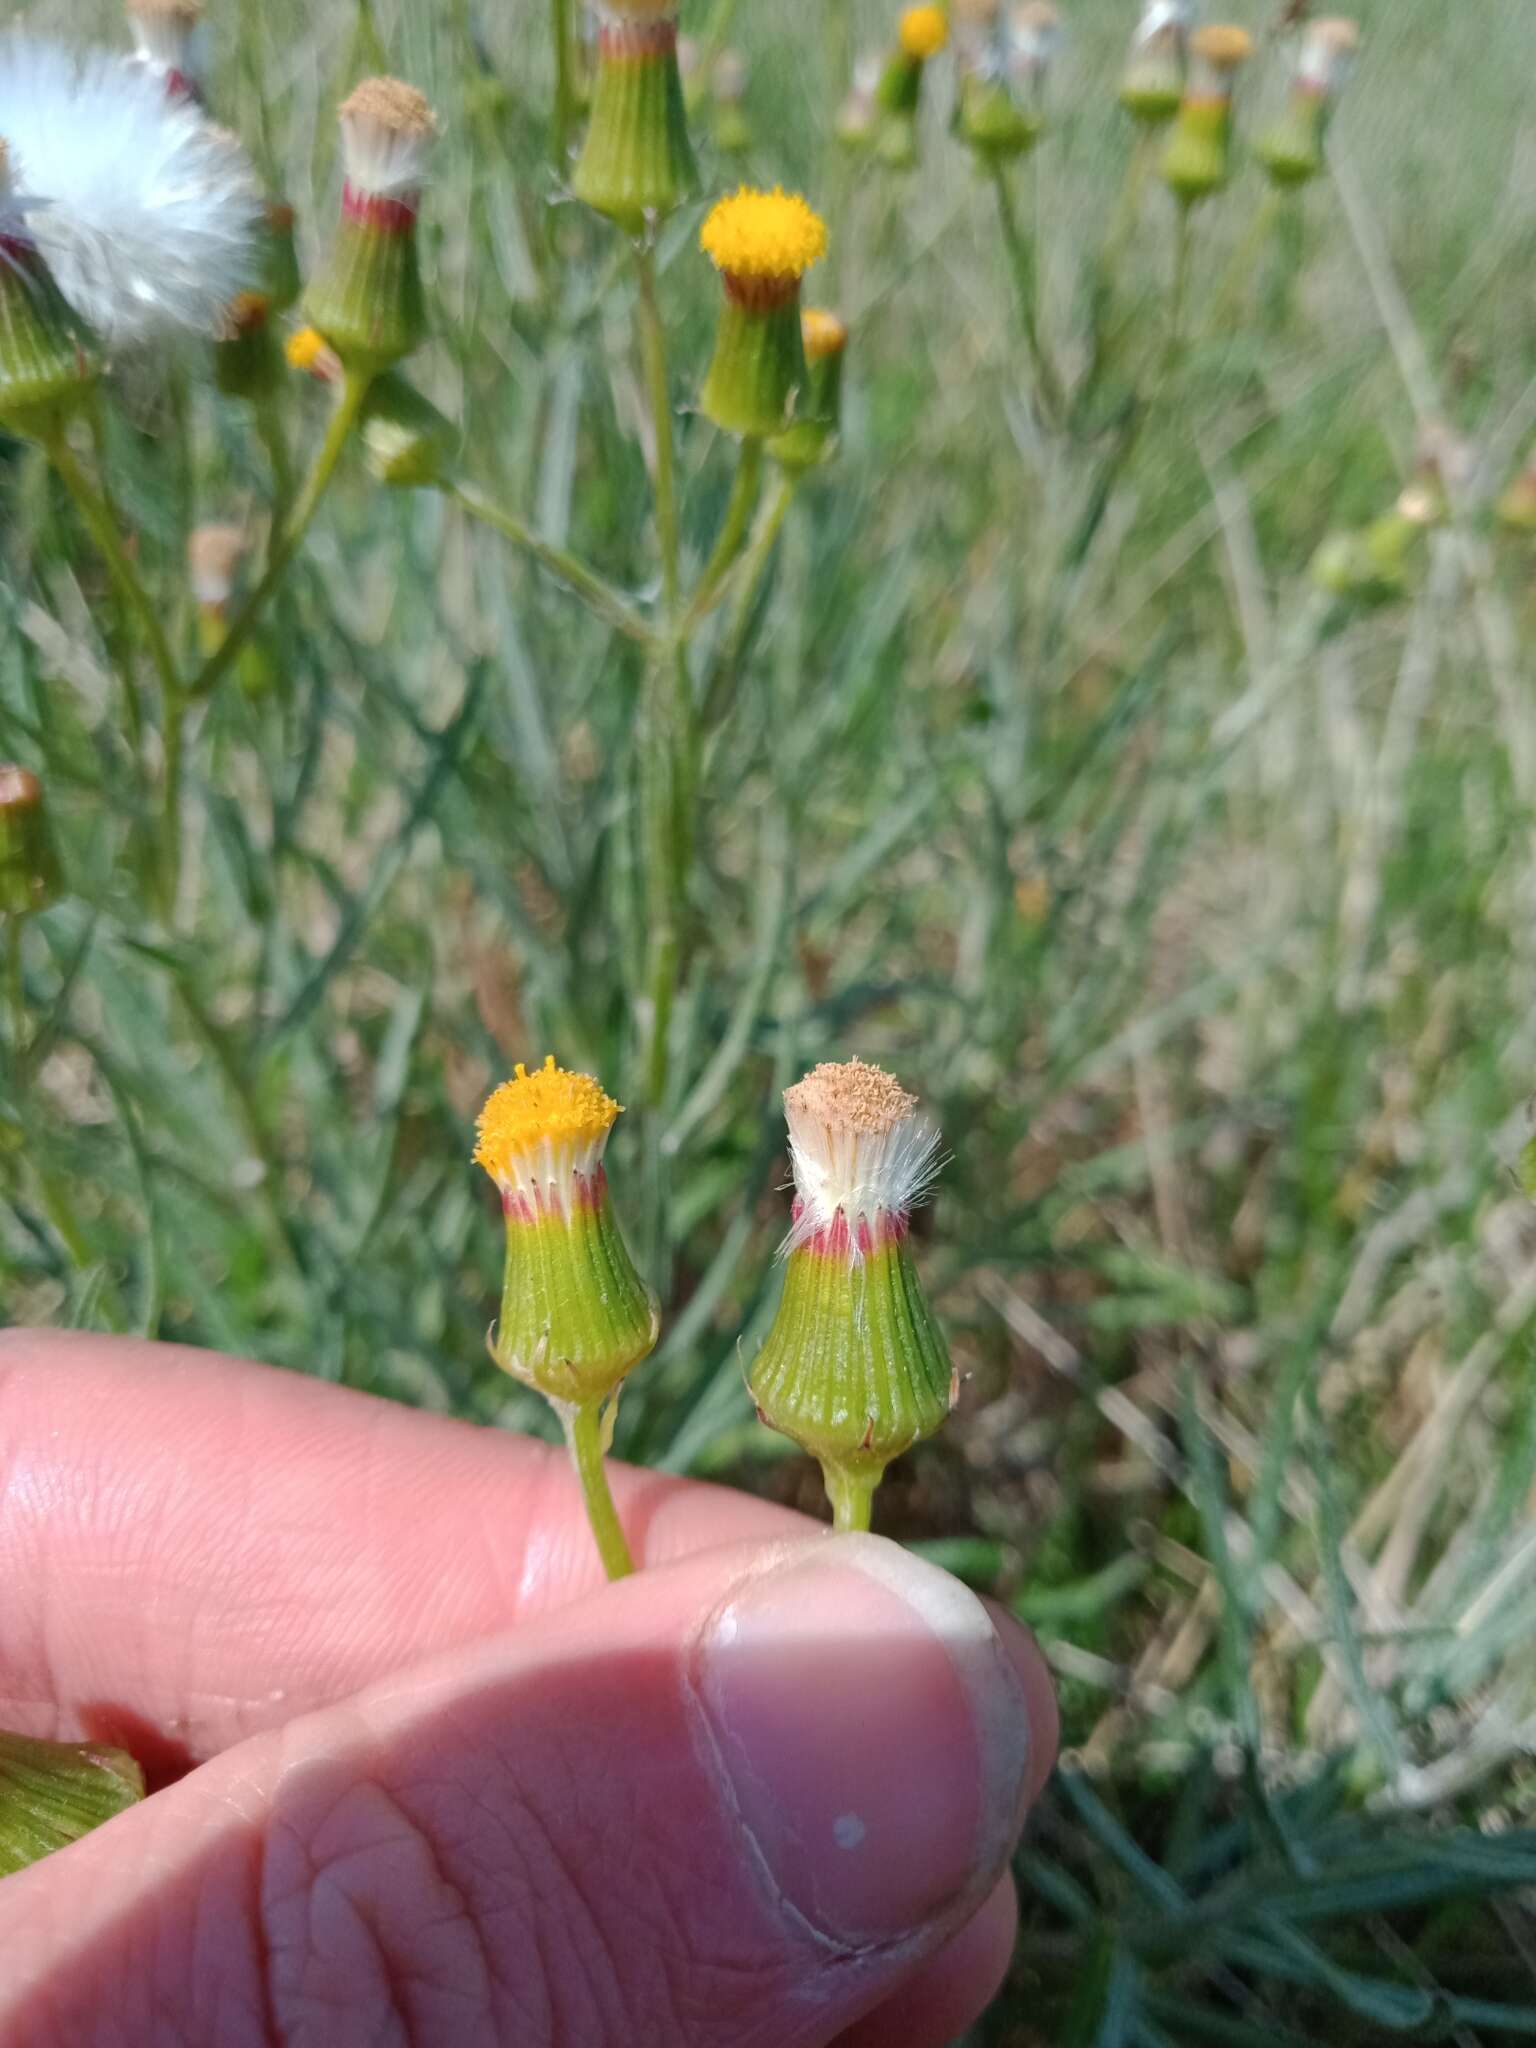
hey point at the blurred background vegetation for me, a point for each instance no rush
(1200, 908)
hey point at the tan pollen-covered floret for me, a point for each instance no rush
(1222, 44)
(391, 104)
(851, 1096)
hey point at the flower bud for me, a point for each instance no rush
(858, 118)
(1292, 150)
(407, 442)
(637, 162)
(575, 1315)
(214, 557)
(48, 357)
(1517, 505)
(366, 297)
(811, 436)
(1197, 160)
(29, 868)
(728, 91)
(921, 33)
(52, 1793)
(762, 244)
(1152, 84)
(1372, 566)
(169, 43)
(854, 1369)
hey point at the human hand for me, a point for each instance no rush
(426, 1780)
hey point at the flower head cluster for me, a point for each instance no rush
(146, 214)
(760, 237)
(541, 1136)
(863, 1156)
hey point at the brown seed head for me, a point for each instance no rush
(851, 1096)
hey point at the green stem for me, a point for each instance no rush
(598, 596)
(1229, 294)
(667, 738)
(15, 997)
(269, 426)
(1179, 293)
(96, 517)
(119, 636)
(727, 663)
(852, 1495)
(584, 1435)
(1021, 257)
(350, 404)
(733, 534)
(565, 87)
(653, 353)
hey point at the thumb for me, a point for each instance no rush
(734, 1801)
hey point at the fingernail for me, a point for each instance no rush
(873, 1732)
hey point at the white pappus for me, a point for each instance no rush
(147, 214)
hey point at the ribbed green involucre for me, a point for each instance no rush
(637, 158)
(366, 297)
(575, 1315)
(854, 1369)
(758, 367)
(48, 357)
(1292, 151)
(1197, 159)
(51, 1793)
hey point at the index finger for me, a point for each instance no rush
(195, 1548)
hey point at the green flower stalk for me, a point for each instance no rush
(366, 297)
(52, 1793)
(854, 1369)
(48, 356)
(1292, 150)
(29, 868)
(811, 437)
(1198, 159)
(1152, 84)
(921, 34)
(576, 1317)
(636, 164)
(762, 244)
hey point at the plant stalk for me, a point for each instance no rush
(599, 597)
(584, 1436)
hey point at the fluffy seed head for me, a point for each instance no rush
(822, 334)
(544, 1126)
(1159, 17)
(1222, 46)
(1328, 51)
(859, 1146)
(1035, 35)
(147, 216)
(763, 235)
(923, 32)
(387, 132)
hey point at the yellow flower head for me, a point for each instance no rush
(304, 348)
(924, 31)
(822, 333)
(547, 1106)
(763, 235)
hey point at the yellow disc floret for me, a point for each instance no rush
(304, 348)
(549, 1104)
(763, 234)
(924, 32)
